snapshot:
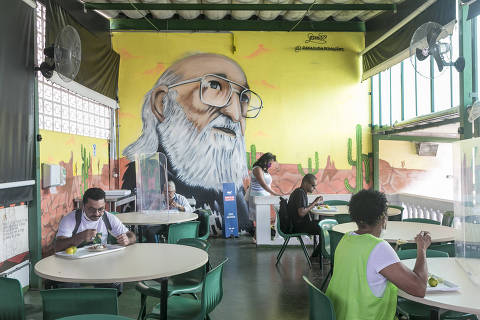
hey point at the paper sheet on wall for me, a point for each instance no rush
(13, 231)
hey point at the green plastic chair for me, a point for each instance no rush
(336, 202)
(326, 225)
(321, 308)
(287, 237)
(335, 238)
(59, 303)
(204, 228)
(186, 283)
(448, 247)
(342, 218)
(11, 297)
(415, 310)
(188, 308)
(393, 208)
(422, 220)
(447, 219)
(95, 317)
(182, 230)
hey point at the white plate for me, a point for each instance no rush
(323, 209)
(444, 286)
(85, 253)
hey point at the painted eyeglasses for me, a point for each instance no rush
(217, 91)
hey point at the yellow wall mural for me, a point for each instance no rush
(312, 95)
(65, 150)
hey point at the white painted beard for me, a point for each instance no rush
(207, 158)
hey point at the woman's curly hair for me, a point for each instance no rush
(368, 207)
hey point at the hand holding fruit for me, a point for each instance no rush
(86, 235)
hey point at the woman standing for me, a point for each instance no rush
(260, 182)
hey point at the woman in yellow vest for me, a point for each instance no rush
(367, 271)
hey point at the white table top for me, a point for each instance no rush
(450, 269)
(343, 209)
(140, 261)
(399, 230)
(160, 217)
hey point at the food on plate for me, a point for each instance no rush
(71, 250)
(98, 238)
(323, 206)
(433, 281)
(97, 247)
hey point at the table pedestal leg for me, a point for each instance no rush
(164, 298)
(434, 315)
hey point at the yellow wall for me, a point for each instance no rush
(312, 99)
(56, 147)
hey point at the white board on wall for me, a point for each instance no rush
(13, 231)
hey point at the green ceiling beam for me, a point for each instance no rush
(234, 25)
(417, 138)
(239, 7)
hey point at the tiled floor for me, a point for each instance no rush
(254, 288)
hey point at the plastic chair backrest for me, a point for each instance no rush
(447, 219)
(279, 230)
(182, 230)
(336, 202)
(198, 273)
(11, 297)
(412, 254)
(343, 218)
(212, 290)
(335, 238)
(197, 243)
(326, 225)
(204, 227)
(444, 247)
(422, 220)
(59, 303)
(321, 308)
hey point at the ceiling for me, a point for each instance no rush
(325, 15)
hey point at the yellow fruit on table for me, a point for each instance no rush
(71, 250)
(432, 282)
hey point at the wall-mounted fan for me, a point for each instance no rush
(431, 40)
(64, 56)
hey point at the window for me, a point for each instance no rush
(62, 110)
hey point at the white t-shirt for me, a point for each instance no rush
(381, 257)
(181, 200)
(67, 224)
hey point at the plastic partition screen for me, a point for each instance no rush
(467, 204)
(152, 184)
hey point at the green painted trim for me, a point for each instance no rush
(416, 90)
(376, 161)
(380, 100)
(466, 76)
(402, 85)
(234, 25)
(432, 85)
(416, 138)
(239, 7)
(451, 78)
(34, 212)
(476, 123)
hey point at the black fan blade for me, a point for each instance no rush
(460, 64)
(438, 59)
(432, 36)
(420, 55)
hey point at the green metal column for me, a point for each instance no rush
(376, 161)
(34, 212)
(466, 77)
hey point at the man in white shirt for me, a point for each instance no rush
(80, 227)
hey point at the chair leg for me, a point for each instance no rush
(282, 250)
(305, 251)
(326, 278)
(143, 307)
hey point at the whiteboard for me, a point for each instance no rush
(13, 231)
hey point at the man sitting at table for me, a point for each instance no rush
(175, 202)
(367, 271)
(82, 226)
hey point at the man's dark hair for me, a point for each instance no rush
(262, 162)
(94, 194)
(310, 178)
(368, 207)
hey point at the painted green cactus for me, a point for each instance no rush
(251, 156)
(315, 171)
(85, 167)
(361, 161)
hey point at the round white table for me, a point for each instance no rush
(140, 261)
(157, 218)
(342, 209)
(406, 231)
(465, 299)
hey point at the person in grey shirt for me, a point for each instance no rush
(177, 201)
